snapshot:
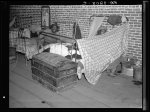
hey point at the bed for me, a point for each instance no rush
(103, 51)
(23, 44)
(59, 44)
(98, 52)
(20, 37)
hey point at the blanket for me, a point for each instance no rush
(101, 50)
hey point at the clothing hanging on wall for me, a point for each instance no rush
(77, 31)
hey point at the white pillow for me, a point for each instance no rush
(59, 49)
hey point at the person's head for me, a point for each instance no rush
(54, 28)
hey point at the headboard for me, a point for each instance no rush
(56, 37)
(64, 39)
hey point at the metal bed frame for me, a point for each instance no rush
(62, 39)
(20, 34)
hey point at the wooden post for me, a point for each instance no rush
(76, 43)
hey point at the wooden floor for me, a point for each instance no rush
(109, 92)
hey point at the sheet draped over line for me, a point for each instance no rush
(99, 51)
(95, 25)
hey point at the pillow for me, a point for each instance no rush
(114, 19)
(54, 27)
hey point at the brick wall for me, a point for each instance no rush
(65, 15)
(22, 11)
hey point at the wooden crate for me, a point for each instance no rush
(54, 71)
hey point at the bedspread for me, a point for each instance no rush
(29, 49)
(28, 46)
(99, 51)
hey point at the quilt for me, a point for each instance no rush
(101, 50)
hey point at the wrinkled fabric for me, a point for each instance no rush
(13, 35)
(95, 26)
(59, 49)
(27, 46)
(98, 52)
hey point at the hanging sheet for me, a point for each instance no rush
(99, 51)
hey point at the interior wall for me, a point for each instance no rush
(81, 14)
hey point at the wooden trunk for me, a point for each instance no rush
(54, 71)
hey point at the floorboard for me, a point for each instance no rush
(14, 103)
(118, 92)
(26, 99)
(83, 100)
(42, 93)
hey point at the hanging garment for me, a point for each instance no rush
(76, 31)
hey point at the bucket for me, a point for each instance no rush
(127, 71)
(137, 74)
